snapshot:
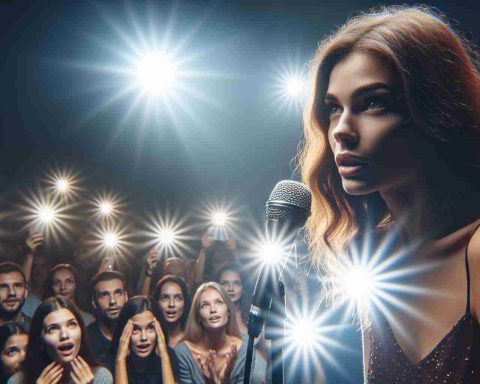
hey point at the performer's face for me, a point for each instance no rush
(365, 125)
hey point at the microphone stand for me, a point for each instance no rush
(275, 331)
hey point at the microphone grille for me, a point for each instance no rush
(287, 195)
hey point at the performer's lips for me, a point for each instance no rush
(350, 165)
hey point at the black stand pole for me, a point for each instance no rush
(275, 331)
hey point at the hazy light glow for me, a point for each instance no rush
(166, 237)
(170, 233)
(359, 285)
(110, 239)
(63, 182)
(156, 73)
(295, 87)
(289, 87)
(311, 338)
(46, 214)
(62, 185)
(220, 218)
(272, 252)
(107, 206)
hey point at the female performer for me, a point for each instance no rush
(392, 146)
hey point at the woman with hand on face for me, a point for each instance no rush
(13, 347)
(63, 280)
(142, 352)
(171, 293)
(57, 350)
(392, 157)
(213, 350)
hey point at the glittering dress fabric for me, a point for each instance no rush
(455, 359)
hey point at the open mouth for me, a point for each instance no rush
(66, 349)
(171, 313)
(214, 319)
(142, 348)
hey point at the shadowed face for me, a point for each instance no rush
(110, 297)
(231, 281)
(64, 284)
(13, 353)
(171, 301)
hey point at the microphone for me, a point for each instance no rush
(287, 210)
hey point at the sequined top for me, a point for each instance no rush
(454, 360)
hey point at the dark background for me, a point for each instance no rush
(229, 139)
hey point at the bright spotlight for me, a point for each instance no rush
(305, 333)
(219, 218)
(105, 208)
(110, 239)
(156, 73)
(295, 87)
(271, 253)
(359, 285)
(62, 185)
(166, 237)
(46, 214)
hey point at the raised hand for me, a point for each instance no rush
(152, 259)
(34, 240)
(231, 244)
(51, 374)
(81, 372)
(225, 372)
(161, 342)
(206, 367)
(124, 344)
(207, 241)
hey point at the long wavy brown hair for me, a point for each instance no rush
(438, 75)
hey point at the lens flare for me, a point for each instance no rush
(107, 206)
(220, 218)
(156, 73)
(64, 182)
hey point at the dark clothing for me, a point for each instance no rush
(152, 374)
(454, 360)
(99, 344)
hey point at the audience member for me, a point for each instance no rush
(62, 280)
(57, 348)
(213, 350)
(231, 277)
(172, 295)
(212, 253)
(13, 347)
(142, 352)
(13, 291)
(108, 298)
(33, 242)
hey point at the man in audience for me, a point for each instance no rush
(13, 291)
(108, 298)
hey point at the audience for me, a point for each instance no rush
(142, 352)
(13, 347)
(13, 291)
(172, 295)
(108, 298)
(230, 276)
(62, 280)
(213, 350)
(58, 350)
